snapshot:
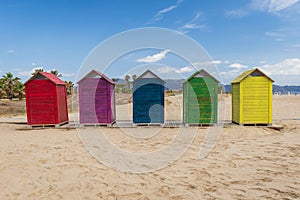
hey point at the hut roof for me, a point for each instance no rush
(149, 74)
(201, 73)
(94, 73)
(245, 74)
(48, 76)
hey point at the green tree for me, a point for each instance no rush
(134, 77)
(2, 92)
(69, 86)
(9, 82)
(37, 71)
(127, 79)
(55, 72)
(19, 90)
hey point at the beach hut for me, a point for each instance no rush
(252, 98)
(148, 99)
(96, 99)
(200, 99)
(46, 100)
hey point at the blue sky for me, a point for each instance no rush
(237, 34)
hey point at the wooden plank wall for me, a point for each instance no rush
(41, 103)
(201, 101)
(112, 103)
(62, 104)
(148, 101)
(235, 101)
(256, 99)
(95, 101)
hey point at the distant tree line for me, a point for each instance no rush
(127, 87)
(11, 87)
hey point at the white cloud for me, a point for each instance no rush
(207, 63)
(68, 75)
(237, 13)
(185, 69)
(277, 35)
(230, 72)
(279, 5)
(189, 68)
(28, 73)
(272, 6)
(289, 66)
(167, 69)
(196, 17)
(193, 24)
(36, 68)
(274, 34)
(229, 75)
(237, 66)
(295, 45)
(168, 9)
(164, 70)
(154, 58)
(285, 72)
(217, 62)
(10, 51)
(25, 73)
(160, 14)
(190, 26)
(233, 70)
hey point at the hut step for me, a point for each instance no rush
(275, 127)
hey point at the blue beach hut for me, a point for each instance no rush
(148, 99)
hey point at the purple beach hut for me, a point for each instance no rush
(96, 99)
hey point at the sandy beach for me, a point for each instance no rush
(246, 162)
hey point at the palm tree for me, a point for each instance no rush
(19, 90)
(134, 77)
(69, 87)
(9, 82)
(2, 92)
(55, 72)
(37, 71)
(127, 78)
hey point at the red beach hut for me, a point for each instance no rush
(96, 99)
(46, 100)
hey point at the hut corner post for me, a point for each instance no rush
(270, 103)
(241, 103)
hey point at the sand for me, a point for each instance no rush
(246, 162)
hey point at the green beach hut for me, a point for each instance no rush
(200, 99)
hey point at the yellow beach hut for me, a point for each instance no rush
(252, 98)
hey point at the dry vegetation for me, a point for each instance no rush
(11, 108)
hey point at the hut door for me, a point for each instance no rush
(101, 102)
(148, 104)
